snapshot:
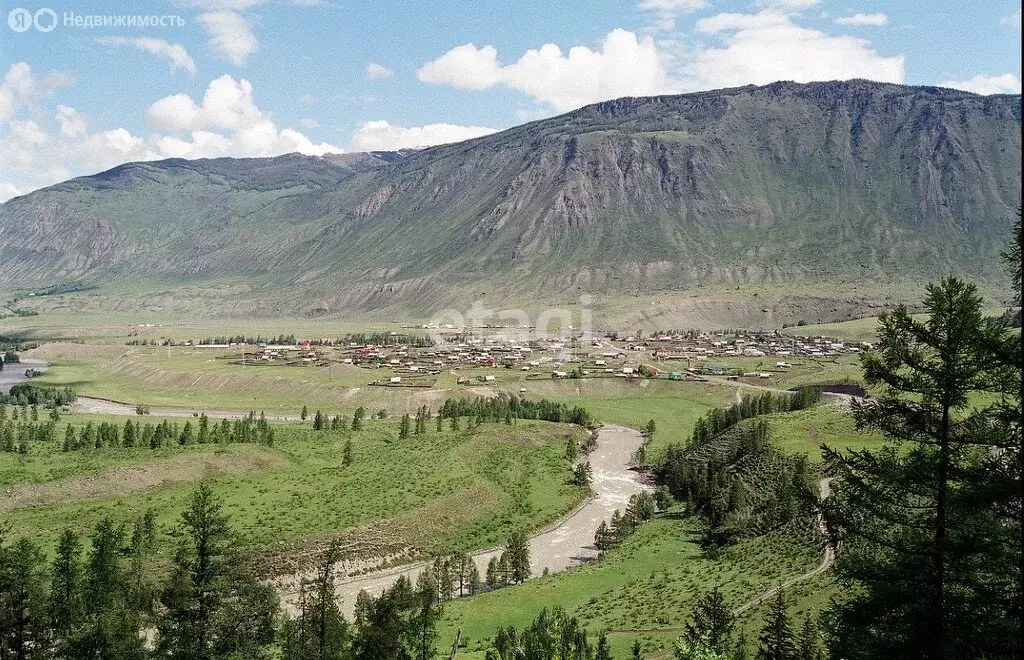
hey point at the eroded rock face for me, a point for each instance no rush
(786, 183)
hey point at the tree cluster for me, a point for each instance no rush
(28, 394)
(740, 483)
(512, 566)
(641, 508)
(507, 407)
(710, 633)
(102, 599)
(249, 430)
(97, 601)
(553, 635)
(719, 420)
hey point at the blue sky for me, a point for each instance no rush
(263, 77)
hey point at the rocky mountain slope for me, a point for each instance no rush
(783, 184)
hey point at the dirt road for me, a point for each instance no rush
(568, 543)
(828, 558)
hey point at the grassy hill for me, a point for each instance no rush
(787, 186)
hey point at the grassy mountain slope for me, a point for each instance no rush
(784, 184)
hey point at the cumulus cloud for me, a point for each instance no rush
(71, 121)
(876, 19)
(231, 37)
(227, 104)
(1006, 83)
(174, 53)
(623, 66)
(20, 88)
(768, 46)
(384, 136)
(737, 49)
(463, 67)
(374, 70)
(16, 89)
(226, 122)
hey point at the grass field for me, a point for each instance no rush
(644, 589)
(206, 379)
(804, 431)
(863, 330)
(449, 490)
(646, 584)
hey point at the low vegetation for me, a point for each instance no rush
(304, 485)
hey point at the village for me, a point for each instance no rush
(482, 357)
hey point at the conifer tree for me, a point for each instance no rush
(66, 602)
(924, 542)
(711, 624)
(777, 640)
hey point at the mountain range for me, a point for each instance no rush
(786, 187)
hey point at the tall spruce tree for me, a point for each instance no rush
(112, 621)
(66, 603)
(777, 639)
(517, 556)
(923, 543)
(711, 624)
(24, 629)
(195, 588)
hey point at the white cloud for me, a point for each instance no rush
(9, 190)
(767, 47)
(786, 5)
(624, 66)
(175, 53)
(876, 19)
(532, 114)
(756, 48)
(20, 88)
(463, 67)
(374, 70)
(231, 37)
(16, 89)
(71, 121)
(384, 136)
(667, 11)
(227, 104)
(226, 123)
(1006, 83)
